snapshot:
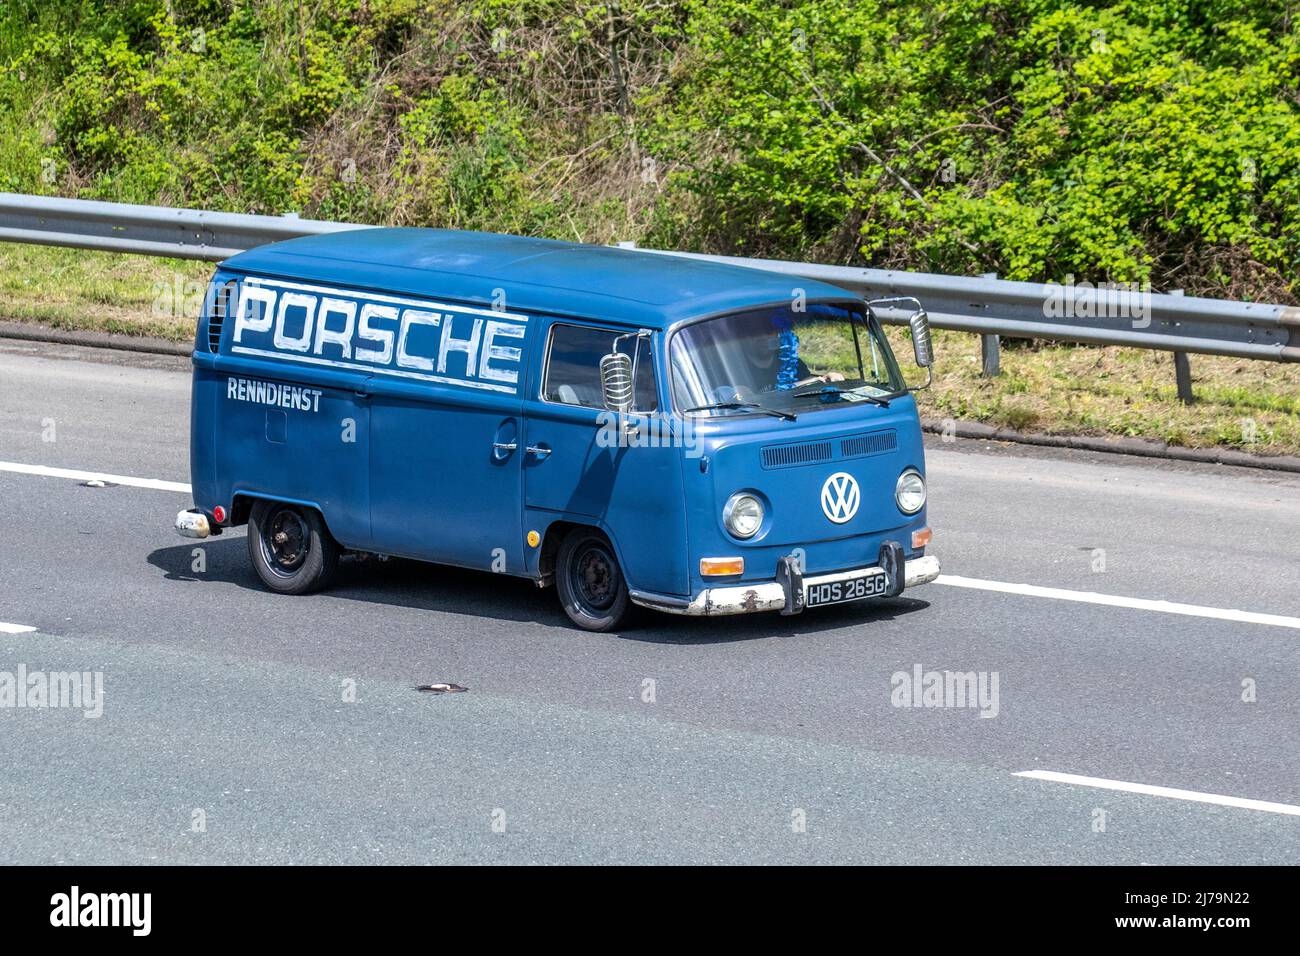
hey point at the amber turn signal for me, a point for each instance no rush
(713, 567)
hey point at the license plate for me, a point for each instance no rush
(839, 592)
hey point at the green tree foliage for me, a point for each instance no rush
(1128, 141)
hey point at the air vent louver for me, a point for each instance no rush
(872, 443)
(221, 305)
(803, 453)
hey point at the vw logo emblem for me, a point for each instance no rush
(840, 497)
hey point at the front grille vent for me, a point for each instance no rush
(803, 453)
(871, 443)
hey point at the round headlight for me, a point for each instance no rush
(743, 515)
(910, 492)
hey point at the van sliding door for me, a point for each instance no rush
(445, 483)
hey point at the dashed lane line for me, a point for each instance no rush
(44, 471)
(1115, 600)
(1145, 789)
(951, 580)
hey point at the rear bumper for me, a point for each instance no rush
(193, 524)
(773, 595)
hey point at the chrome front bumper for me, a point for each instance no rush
(771, 595)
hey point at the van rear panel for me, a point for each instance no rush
(380, 411)
(262, 433)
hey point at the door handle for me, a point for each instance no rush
(506, 446)
(539, 451)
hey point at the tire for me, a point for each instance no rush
(290, 547)
(590, 582)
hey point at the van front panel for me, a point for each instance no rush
(791, 467)
(579, 469)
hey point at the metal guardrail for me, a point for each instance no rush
(147, 230)
(988, 306)
(1067, 313)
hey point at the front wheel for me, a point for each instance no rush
(590, 582)
(290, 547)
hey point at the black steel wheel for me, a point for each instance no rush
(590, 581)
(290, 547)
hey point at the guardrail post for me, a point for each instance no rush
(1183, 370)
(1183, 376)
(990, 347)
(990, 354)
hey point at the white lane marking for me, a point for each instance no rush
(1114, 600)
(953, 580)
(15, 628)
(1193, 795)
(157, 484)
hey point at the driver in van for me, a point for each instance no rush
(776, 351)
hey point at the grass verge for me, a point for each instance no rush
(1247, 405)
(101, 291)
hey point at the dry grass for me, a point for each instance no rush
(1084, 390)
(76, 289)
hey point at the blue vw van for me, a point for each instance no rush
(632, 428)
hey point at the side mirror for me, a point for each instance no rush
(616, 382)
(921, 345)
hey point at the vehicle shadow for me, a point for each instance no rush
(656, 628)
(430, 587)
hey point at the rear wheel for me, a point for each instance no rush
(290, 547)
(590, 582)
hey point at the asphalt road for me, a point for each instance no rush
(229, 731)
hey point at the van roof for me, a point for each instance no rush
(542, 275)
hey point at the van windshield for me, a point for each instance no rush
(782, 359)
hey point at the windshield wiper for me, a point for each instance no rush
(834, 390)
(785, 416)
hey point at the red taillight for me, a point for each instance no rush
(219, 513)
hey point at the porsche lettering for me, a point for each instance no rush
(412, 338)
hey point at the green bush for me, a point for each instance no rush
(1128, 141)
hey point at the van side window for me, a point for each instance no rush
(573, 372)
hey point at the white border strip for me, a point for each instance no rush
(15, 628)
(379, 297)
(377, 370)
(156, 484)
(1147, 790)
(1113, 600)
